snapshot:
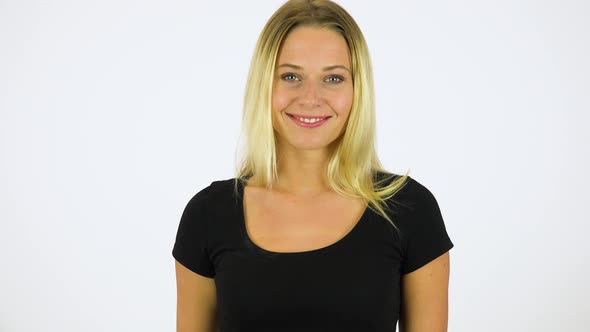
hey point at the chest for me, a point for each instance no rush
(282, 223)
(302, 274)
(325, 265)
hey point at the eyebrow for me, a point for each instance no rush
(328, 68)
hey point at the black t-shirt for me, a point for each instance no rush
(350, 285)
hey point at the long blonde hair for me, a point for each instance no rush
(354, 170)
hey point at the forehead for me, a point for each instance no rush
(313, 45)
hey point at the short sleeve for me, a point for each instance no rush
(425, 237)
(190, 248)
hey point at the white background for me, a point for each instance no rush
(113, 114)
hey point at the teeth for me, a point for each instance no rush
(309, 120)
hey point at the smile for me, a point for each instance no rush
(308, 122)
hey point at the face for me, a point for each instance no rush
(312, 82)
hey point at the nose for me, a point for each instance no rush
(311, 95)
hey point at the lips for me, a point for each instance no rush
(307, 123)
(308, 116)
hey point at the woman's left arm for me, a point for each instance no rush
(425, 297)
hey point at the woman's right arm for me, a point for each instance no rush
(196, 301)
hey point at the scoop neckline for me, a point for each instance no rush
(252, 244)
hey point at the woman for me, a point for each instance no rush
(312, 234)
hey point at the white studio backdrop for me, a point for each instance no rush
(113, 114)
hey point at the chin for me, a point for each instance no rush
(310, 145)
(297, 142)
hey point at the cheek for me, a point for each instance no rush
(342, 103)
(280, 100)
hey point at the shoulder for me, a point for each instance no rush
(414, 191)
(217, 190)
(420, 222)
(217, 196)
(205, 205)
(415, 209)
(411, 192)
(197, 230)
(410, 196)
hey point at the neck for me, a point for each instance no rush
(303, 172)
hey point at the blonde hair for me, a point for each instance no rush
(353, 169)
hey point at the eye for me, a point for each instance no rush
(289, 77)
(334, 79)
